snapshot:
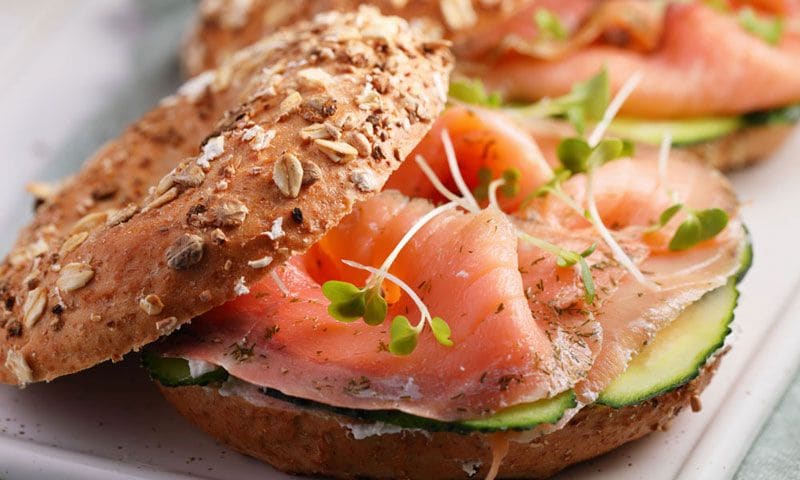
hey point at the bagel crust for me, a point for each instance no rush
(742, 148)
(224, 26)
(316, 119)
(307, 441)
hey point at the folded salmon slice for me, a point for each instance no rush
(631, 195)
(483, 140)
(465, 268)
(521, 324)
(704, 63)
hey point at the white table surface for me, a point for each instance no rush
(75, 73)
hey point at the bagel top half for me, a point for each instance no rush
(244, 167)
(224, 26)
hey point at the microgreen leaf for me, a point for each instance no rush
(688, 233)
(481, 191)
(590, 100)
(511, 178)
(567, 258)
(549, 25)
(713, 221)
(441, 331)
(347, 300)
(337, 291)
(628, 149)
(607, 150)
(375, 308)
(769, 29)
(577, 156)
(597, 93)
(404, 337)
(473, 92)
(698, 226)
(589, 250)
(577, 118)
(587, 101)
(667, 214)
(573, 153)
(588, 281)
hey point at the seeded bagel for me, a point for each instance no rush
(224, 26)
(322, 113)
(308, 441)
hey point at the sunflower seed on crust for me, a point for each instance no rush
(290, 104)
(287, 173)
(161, 200)
(18, 366)
(74, 276)
(72, 243)
(311, 173)
(189, 176)
(122, 215)
(33, 307)
(315, 131)
(339, 152)
(89, 222)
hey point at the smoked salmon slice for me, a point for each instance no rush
(523, 328)
(630, 196)
(703, 63)
(465, 268)
(483, 140)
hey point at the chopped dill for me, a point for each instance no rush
(241, 351)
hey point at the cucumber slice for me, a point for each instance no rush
(678, 352)
(526, 416)
(691, 131)
(788, 114)
(175, 372)
(747, 258)
(684, 132)
(517, 418)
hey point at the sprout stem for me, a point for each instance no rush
(437, 184)
(492, 191)
(605, 234)
(663, 158)
(452, 162)
(384, 269)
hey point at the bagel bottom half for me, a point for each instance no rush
(742, 148)
(308, 441)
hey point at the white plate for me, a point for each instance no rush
(75, 73)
